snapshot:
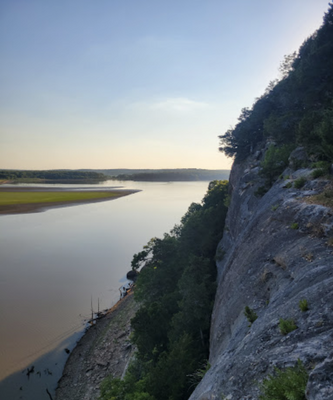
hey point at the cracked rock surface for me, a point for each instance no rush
(277, 250)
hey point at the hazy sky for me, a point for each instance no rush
(136, 83)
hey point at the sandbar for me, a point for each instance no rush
(43, 206)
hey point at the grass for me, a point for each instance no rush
(13, 198)
(300, 182)
(325, 198)
(303, 305)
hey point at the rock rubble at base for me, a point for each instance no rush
(103, 351)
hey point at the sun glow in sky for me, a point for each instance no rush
(137, 83)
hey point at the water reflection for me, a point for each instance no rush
(53, 262)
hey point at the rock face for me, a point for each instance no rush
(276, 250)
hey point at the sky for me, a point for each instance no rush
(137, 83)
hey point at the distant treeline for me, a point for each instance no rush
(174, 175)
(153, 175)
(59, 175)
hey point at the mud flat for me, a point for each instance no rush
(104, 350)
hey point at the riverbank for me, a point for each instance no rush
(104, 350)
(23, 204)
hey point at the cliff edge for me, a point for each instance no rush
(276, 251)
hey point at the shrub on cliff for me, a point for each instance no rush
(286, 326)
(285, 384)
(275, 162)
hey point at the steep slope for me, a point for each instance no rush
(275, 252)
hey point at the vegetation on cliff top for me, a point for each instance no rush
(175, 289)
(297, 109)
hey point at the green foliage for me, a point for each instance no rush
(275, 161)
(176, 289)
(296, 110)
(61, 175)
(288, 384)
(286, 326)
(261, 191)
(250, 314)
(325, 198)
(294, 225)
(300, 182)
(288, 185)
(318, 173)
(275, 207)
(322, 165)
(197, 376)
(127, 389)
(219, 255)
(303, 305)
(169, 175)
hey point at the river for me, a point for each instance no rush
(55, 263)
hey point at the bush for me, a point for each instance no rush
(288, 185)
(286, 326)
(294, 225)
(261, 191)
(318, 173)
(288, 384)
(300, 182)
(303, 305)
(275, 161)
(250, 314)
(198, 375)
(322, 165)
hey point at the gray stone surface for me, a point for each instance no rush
(270, 267)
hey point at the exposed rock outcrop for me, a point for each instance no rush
(276, 251)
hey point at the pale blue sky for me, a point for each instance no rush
(136, 83)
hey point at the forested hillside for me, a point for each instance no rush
(296, 110)
(175, 290)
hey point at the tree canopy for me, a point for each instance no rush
(297, 109)
(176, 289)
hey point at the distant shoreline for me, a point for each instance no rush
(44, 206)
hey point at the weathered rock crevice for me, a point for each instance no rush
(276, 252)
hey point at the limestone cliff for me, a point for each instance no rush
(276, 250)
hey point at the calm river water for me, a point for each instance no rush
(54, 262)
